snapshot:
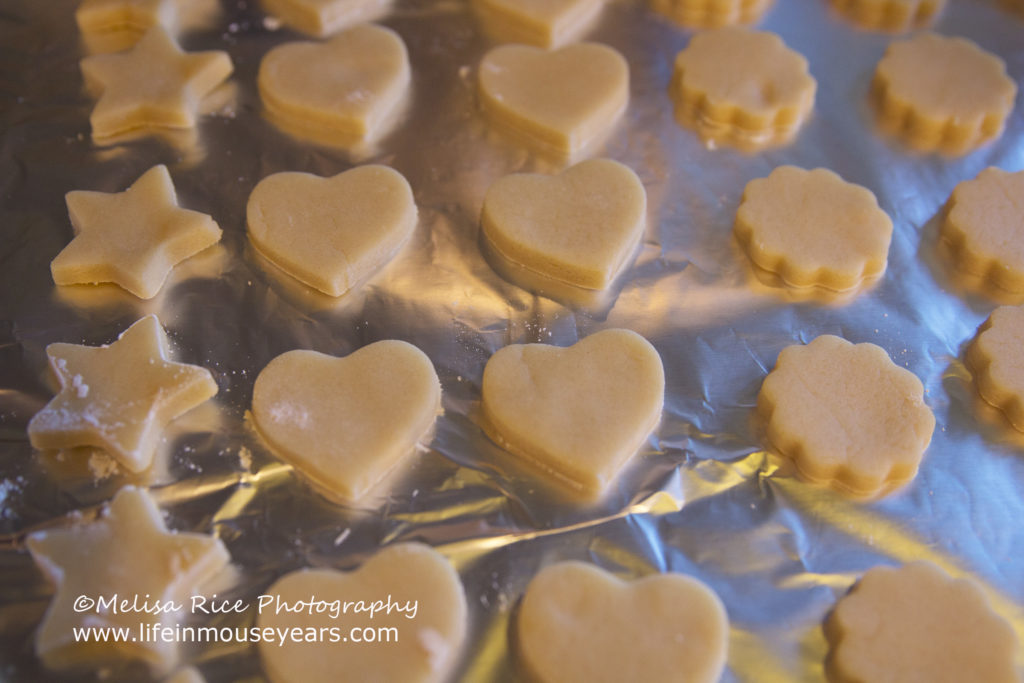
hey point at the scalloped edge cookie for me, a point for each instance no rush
(893, 16)
(711, 13)
(996, 360)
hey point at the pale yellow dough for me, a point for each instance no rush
(580, 226)
(558, 102)
(942, 94)
(580, 624)
(984, 227)
(890, 15)
(322, 18)
(422, 649)
(846, 415)
(711, 13)
(345, 423)
(813, 229)
(917, 624)
(131, 238)
(126, 16)
(744, 88)
(544, 23)
(579, 413)
(996, 359)
(152, 85)
(331, 233)
(119, 397)
(127, 552)
(347, 90)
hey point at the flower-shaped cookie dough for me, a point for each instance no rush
(996, 359)
(745, 88)
(890, 15)
(846, 415)
(544, 23)
(322, 18)
(813, 229)
(984, 228)
(916, 623)
(942, 94)
(711, 13)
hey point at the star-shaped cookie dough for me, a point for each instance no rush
(119, 397)
(154, 84)
(127, 552)
(131, 238)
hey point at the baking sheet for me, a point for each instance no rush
(702, 497)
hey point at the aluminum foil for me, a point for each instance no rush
(702, 497)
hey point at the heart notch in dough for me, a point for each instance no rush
(560, 102)
(577, 413)
(346, 423)
(580, 623)
(331, 233)
(579, 227)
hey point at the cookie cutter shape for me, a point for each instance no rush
(578, 227)
(996, 360)
(132, 238)
(846, 415)
(942, 94)
(916, 623)
(544, 23)
(578, 413)
(153, 85)
(418, 646)
(984, 228)
(559, 102)
(127, 552)
(890, 15)
(322, 18)
(119, 397)
(813, 229)
(331, 233)
(573, 617)
(346, 423)
(743, 88)
(127, 16)
(345, 91)
(711, 13)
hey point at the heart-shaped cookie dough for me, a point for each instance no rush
(580, 413)
(345, 423)
(580, 623)
(413, 635)
(578, 227)
(331, 233)
(561, 101)
(347, 88)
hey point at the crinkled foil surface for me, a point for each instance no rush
(702, 497)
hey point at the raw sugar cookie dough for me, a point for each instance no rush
(984, 228)
(942, 94)
(560, 102)
(742, 88)
(813, 229)
(331, 233)
(544, 23)
(428, 615)
(574, 619)
(125, 20)
(846, 415)
(890, 15)
(711, 13)
(916, 623)
(127, 551)
(346, 423)
(322, 18)
(996, 360)
(345, 92)
(577, 413)
(153, 85)
(132, 238)
(580, 226)
(119, 397)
